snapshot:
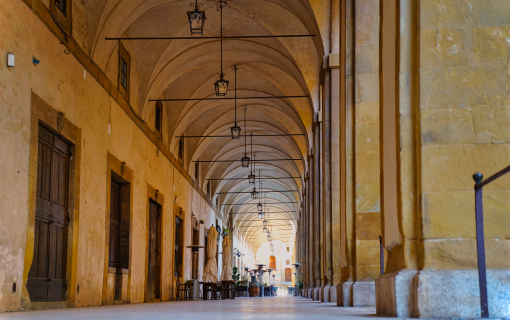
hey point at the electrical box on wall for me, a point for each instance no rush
(10, 59)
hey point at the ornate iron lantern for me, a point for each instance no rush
(245, 161)
(196, 19)
(259, 207)
(265, 223)
(254, 194)
(264, 230)
(262, 215)
(221, 86)
(251, 177)
(269, 237)
(236, 131)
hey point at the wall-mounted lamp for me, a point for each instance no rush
(35, 61)
(10, 60)
(122, 168)
(202, 221)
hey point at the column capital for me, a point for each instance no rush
(331, 61)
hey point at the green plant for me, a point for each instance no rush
(225, 230)
(235, 275)
(187, 283)
(242, 283)
(300, 285)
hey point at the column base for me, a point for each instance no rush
(316, 294)
(395, 294)
(332, 294)
(442, 294)
(344, 294)
(363, 294)
(310, 293)
(325, 294)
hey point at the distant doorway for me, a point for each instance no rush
(154, 258)
(288, 275)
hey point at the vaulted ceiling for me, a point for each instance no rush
(182, 69)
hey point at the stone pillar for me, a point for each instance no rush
(363, 212)
(311, 245)
(367, 154)
(316, 211)
(326, 185)
(344, 289)
(336, 126)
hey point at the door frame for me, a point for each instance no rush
(180, 213)
(43, 113)
(122, 170)
(156, 196)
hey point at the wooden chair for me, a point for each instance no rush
(182, 291)
(208, 287)
(227, 289)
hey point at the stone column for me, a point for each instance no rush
(327, 194)
(311, 245)
(367, 154)
(344, 289)
(316, 211)
(336, 126)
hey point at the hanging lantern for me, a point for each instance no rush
(196, 20)
(269, 237)
(265, 223)
(262, 215)
(236, 131)
(221, 86)
(265, 230)
(254, 194)
(245, 161)
(259, 207)
(251, 177)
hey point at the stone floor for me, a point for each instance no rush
(238, 309)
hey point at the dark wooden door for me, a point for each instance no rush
(154, 259)
(178, 248)
(47, 275)
(115, 211)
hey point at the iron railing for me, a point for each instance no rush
(381, 256)
(480, 240)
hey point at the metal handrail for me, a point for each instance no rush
(381, 256)
(480, 238)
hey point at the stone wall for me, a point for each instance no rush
(62, 83)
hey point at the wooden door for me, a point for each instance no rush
(288, 275)
(47, 275)
(115, 212)
(154, 259)
(272, 262)
(178, 250)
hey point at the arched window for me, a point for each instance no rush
(288, 275)
(272, 262)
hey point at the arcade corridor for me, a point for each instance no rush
(355, 152)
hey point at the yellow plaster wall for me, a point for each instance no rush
(465, 116)
(59, 80)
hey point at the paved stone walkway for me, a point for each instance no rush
(239, 309)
